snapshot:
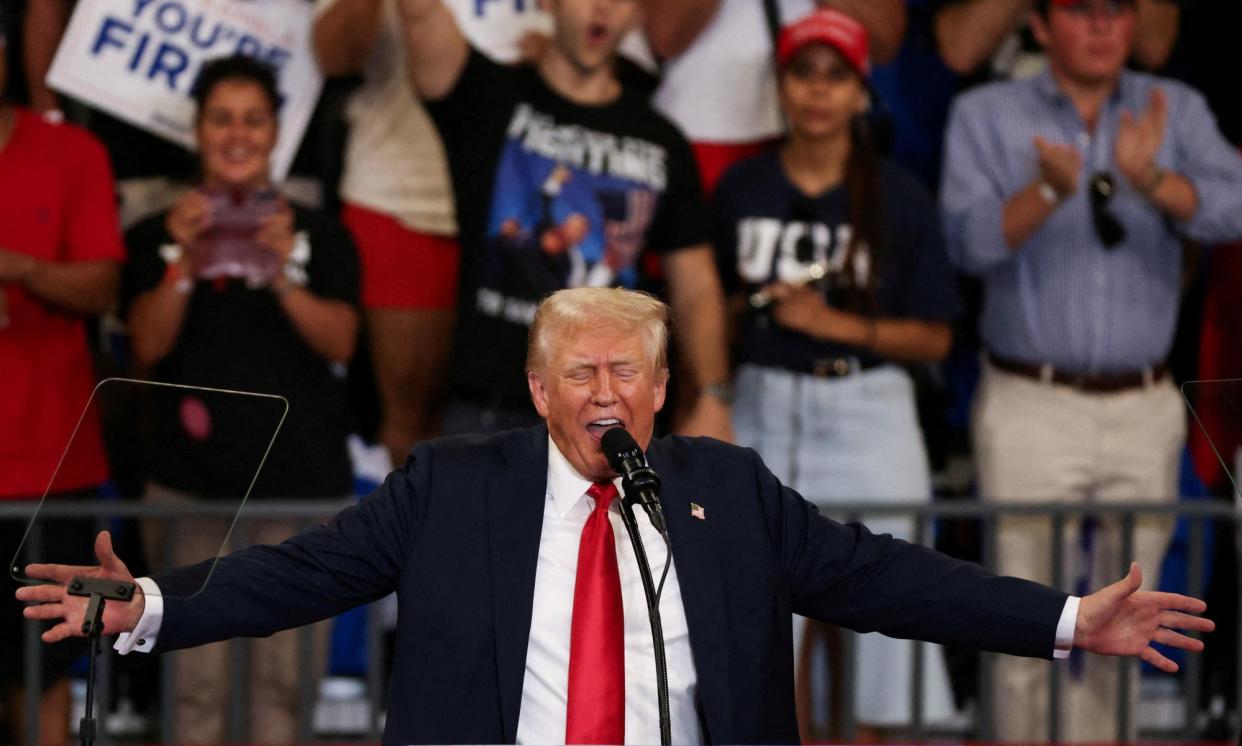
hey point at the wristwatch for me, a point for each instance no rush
(722, 390)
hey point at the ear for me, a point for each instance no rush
(661, 388)
(538, 394)
(864, 104)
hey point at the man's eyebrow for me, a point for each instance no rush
(574, 365)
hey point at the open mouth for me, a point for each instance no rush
(596, 33)
(597, 428)
(238, 155)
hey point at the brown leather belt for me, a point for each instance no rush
(1092, 383)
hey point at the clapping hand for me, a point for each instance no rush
(1139, 139)
(52, 603)
(1119, 619)
(1059, 165)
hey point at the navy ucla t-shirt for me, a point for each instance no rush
(761, 222)
(551, 194)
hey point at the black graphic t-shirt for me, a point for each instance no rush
(551, 194)
(766, 230)
(236, 337)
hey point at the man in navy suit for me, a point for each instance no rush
(478, 535)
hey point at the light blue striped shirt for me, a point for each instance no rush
(1062, 298)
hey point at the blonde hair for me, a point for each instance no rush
(601, 308)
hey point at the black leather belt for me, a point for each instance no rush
(1091, 383)
(838, 367)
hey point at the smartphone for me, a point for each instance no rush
(227, 247)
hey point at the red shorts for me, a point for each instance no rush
(715, 158)
(402, 268)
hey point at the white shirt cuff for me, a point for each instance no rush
(142, 638)
(1065, 628)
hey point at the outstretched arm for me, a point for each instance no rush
(1119, 619)
(259, 590)
(344, 34)
(885, 21)
(1155, 32)
(672, 27)
(969, 33)
(435, 50)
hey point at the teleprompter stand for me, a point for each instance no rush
(99, 591)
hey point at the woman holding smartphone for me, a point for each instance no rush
(839, 276)
(234, 288)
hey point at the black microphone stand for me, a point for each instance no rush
(653, 614)
(99, 591)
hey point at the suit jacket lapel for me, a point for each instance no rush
(515, 498)
(702, 591)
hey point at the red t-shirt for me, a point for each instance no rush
(57, 202)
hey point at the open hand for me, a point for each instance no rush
(1119, 619)
(1059, 165)
(53, 603)
(1139, 139)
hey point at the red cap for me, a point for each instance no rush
(831, 27)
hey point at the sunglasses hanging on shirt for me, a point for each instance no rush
(1110, 230)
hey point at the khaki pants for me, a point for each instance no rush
(201, 676)
(1037, 442)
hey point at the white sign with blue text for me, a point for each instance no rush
(138, 59)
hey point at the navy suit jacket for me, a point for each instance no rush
(455, 532)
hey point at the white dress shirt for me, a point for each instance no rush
(545, 686)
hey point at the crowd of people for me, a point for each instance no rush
(1018, 205)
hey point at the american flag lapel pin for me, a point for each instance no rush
(696, 511)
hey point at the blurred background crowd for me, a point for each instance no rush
(916, 250)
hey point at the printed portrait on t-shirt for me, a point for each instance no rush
(570, 207)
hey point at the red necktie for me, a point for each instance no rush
(596, 707)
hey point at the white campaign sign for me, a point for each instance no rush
(138, 59)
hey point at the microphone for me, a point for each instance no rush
(639, 480)
(642, 486)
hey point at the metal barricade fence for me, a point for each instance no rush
(1201, 514)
